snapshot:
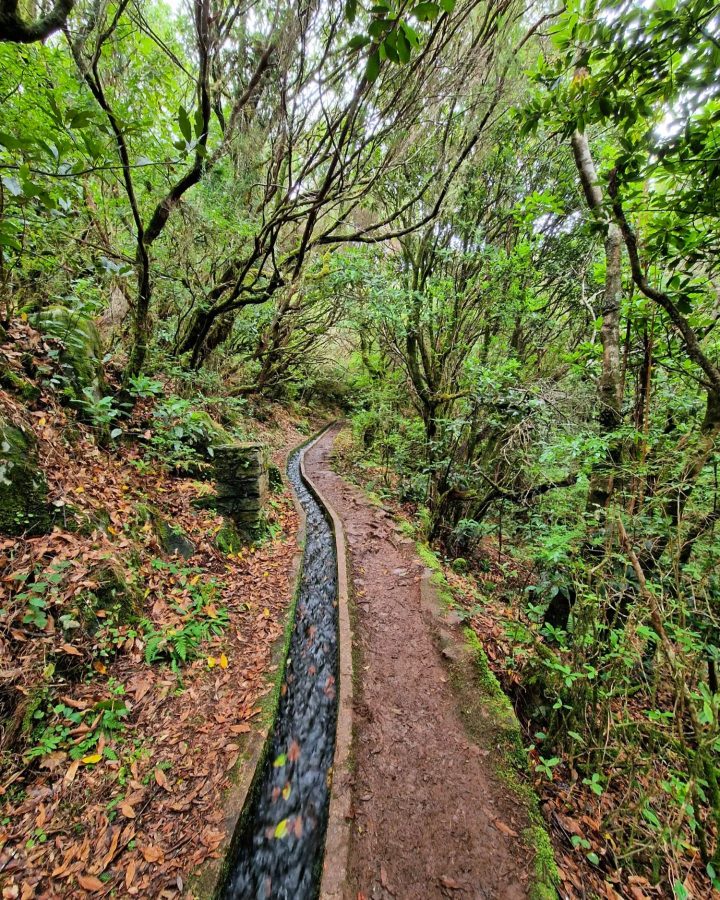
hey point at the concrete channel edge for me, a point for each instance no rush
(337, 841)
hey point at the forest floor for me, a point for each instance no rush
(431, 818)
(114, 768)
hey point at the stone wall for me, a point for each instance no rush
(241, 476)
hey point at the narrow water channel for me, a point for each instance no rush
(280, 848)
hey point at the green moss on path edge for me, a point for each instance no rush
(482, 701)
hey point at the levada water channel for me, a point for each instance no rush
(279, 849)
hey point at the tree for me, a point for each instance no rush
(15, 29)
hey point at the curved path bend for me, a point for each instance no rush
(429, 817)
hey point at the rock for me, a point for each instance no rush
(112, 594)
(16, 384)
(173, 539)
(23, 489)
(81, 351)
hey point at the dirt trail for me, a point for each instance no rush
(430, 818)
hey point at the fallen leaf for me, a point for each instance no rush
(223, 661)
(130, 873)
(71, 772)
(294, 751)
(70, 650)
(127, 811)
(450, 883)
(281, 829)
(161, 779)
(91, 883)
(505, 829)
(240, 729)
(152, 853)
(92, 759)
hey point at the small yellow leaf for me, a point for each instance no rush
(281, 829)
(92, 759)
(99, 667)
(79, 489)
(266, 613)
(223, 661)
(43, 421)
(23, 317)
(211, 662)
(286, 791)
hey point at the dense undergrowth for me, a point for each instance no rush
(627, 793)
(489, 233)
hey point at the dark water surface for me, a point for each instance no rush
(281, 847)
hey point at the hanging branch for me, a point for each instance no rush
(14, 29)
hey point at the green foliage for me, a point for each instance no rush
(54, 724)
(200, 619)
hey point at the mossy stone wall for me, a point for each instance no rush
(23, 490)
(242, 483)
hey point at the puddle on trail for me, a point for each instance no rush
(280, 850)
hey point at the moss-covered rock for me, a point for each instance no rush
(16, 384)
(23, 489)
(228, 539)
(173, 539)
(80, 356)
(112, 595)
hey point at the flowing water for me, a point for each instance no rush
(281, 844)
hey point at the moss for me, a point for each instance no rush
(428, 557)
(488, 714)
(16, 384)
(407, 528)
(173, 539)
(275, 478)
(23, 488)
(34, 701)
(494, 705)
(113, 594)
(229, 539)
(546, 875)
